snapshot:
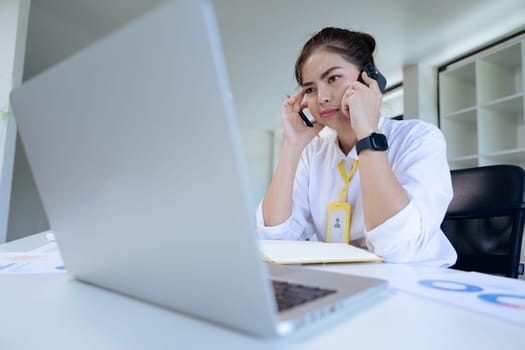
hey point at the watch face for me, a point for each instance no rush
(379, 142)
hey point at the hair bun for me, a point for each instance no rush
(369, 41)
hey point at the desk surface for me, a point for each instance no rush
(58, 312)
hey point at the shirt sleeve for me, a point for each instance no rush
(414, 234)
(291, 229)
(299, 225)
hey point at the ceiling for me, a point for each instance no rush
(261, 39)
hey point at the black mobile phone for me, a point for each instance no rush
(307, 118)
(373, 73)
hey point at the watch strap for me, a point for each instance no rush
(374, 141)
(364, 143)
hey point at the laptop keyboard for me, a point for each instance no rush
(289, 295)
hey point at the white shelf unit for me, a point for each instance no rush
(481, 104)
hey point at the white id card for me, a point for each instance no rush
(338, 224)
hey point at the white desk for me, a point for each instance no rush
(57, 312)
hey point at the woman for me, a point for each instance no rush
(394, 203)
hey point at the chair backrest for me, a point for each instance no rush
(484, 221)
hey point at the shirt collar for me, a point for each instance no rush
(338, 155)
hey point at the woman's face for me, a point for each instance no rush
(326, 76)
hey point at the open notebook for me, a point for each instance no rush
(313, 252)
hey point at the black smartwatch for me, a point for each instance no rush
(375, 141)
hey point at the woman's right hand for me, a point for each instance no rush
(296, 133)
(277, 203)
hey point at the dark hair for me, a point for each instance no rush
(355, 47)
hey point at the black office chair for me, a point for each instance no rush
(485, 219)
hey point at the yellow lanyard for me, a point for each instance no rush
(346, 178)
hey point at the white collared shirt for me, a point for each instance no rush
(417, 154)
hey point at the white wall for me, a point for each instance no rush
(13, 26)
(59, 28)
(26, 213)
(258, 148)
(420, 92)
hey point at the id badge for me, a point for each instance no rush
(338, 224)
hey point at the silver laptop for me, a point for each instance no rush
(135, 149)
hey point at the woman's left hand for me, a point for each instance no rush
(362, 105)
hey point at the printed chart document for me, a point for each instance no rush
(496, 297)
(313, 252)
(43, 260)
